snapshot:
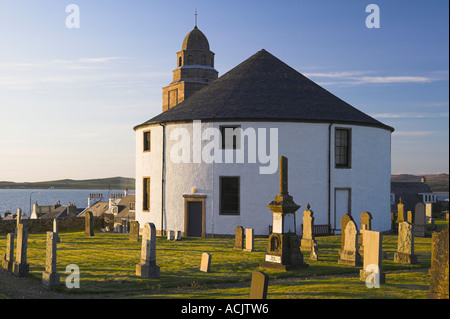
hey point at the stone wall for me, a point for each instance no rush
(65, 224)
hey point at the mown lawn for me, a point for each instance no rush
(107, 264)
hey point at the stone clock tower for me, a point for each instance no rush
(195, 69)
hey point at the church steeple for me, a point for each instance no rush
(195, 69)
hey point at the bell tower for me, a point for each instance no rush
(195, 69)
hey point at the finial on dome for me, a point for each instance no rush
(195, 17)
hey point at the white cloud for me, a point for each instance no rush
(363, 77)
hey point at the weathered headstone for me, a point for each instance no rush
(20, 266)
(439, 265)
(307, 241)
(205, 265)
(373, 255)
(313, 255)
(249, 239)
(349, 255)
(88, 224)
(8, 257)
(283, 251)
(259, 285)
(178, 235)
(56, 230)
(405, 250)
(366, 224)
(400, 212)
(50, 277)
(239, 238)
(134, 231)
(147, 267)
(410, 217)
(170, 235)
(420, 225)
(344, 220)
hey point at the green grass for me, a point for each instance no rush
(107, 265)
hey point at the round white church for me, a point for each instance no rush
(209, 161)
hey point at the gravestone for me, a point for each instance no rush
(366, 224)
(134, 231)
(373, 255)
(178, 235)
(313, 255)
(405, 250)
(410, 217)
(239, 238)
(283, 251)
(308, 241)
(50, 277)
(439, 265)
(147, 267)
(20, 266)
(88, 224)
(8, 257)
(344, 220)
(420, 225)
(349, 254)
(400, 212)
(205, 265)
(259, 285)
(249, 239)
(55, 230)
(170, 235)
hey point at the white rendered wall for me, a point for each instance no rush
(306, 147)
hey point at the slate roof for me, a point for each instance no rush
(409, 192)
(263, 88)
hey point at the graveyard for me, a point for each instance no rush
(107, 266)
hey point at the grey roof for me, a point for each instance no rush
(409, 192)
(263, 88)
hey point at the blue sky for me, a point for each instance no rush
(69, 98)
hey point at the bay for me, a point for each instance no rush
(12, 199)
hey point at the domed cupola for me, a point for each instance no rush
(195, 69)
(195, 40)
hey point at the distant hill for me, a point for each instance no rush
(437, 182)
(99, 183)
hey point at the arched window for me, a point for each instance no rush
(212, 61)
(190, 60)
(179, 62)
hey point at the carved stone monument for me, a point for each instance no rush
(147, 268)
(283, 250)
(50, 277)
(308, 241)
(259, 285)
(439, 265)
(405, 250)
(8, 258)
(349, 254)
(20, 266)
(88, 224)
(373, 256)
(239, 238)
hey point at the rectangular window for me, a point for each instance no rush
(147, 141)
(146, 194)
(229, 195)
(231, 137)
(342, 150)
